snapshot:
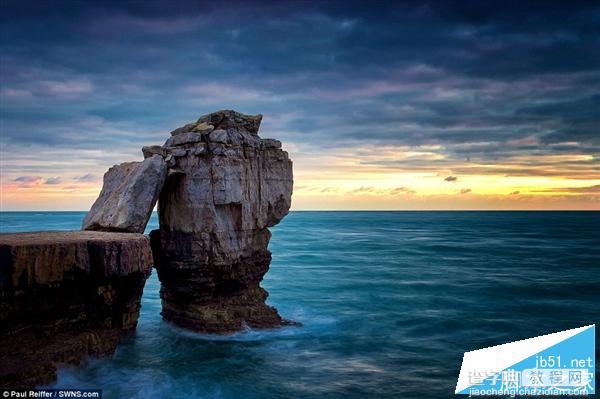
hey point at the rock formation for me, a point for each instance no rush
(224, 188)
(128, 195)
(65, 296)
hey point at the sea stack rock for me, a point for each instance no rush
(65, 296)
(129, 193)
(225, 187)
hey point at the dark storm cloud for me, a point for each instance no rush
(53, 180)
(362, 190)
(86, 178)
(27, 179)
(488, 81)
(402, 190)
(391, 191)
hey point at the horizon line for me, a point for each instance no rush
(365, 210)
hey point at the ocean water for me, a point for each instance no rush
(389, 302)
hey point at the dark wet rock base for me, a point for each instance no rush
(212, 297)
(66, 296)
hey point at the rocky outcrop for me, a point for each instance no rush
(128, 195)
(65, 296)
(224, 188)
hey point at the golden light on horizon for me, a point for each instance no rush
(389, 177)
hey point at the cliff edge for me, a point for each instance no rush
(66, 295)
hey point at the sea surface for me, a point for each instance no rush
(389, 302)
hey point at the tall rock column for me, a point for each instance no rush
(224, 188)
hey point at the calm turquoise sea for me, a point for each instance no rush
(389, 302)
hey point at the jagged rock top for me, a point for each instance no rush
(131, 189)
(222, 120)
(226, 163)
(224, 132)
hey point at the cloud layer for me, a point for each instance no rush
(477, 91)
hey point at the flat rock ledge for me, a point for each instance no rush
(65, 296)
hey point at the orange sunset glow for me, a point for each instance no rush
(355, 180)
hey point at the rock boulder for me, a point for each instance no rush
(128, 195)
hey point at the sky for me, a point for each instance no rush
(381, 105)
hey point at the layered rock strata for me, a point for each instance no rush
(224, 188)
(65, 296)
